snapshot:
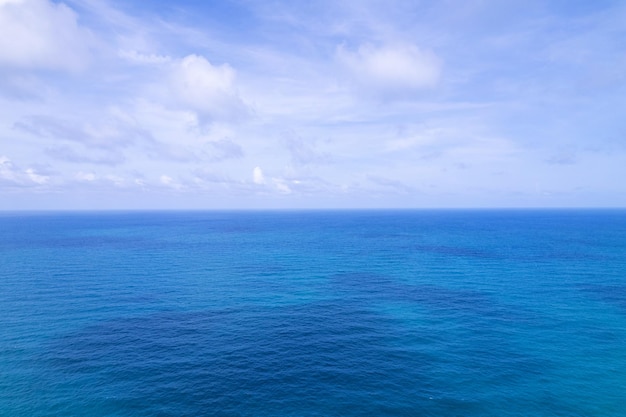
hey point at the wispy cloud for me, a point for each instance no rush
(304, 152)
(15, 176)
(391, 71)
(225, 149)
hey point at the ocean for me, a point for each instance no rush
(313, 313)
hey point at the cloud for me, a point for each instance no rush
(107, 180)
(166, 180)
(35, 177)
(207, 89)
(403, 102)
(391, 71)
(392, 185)
(101, 141)
(7, 170)
(42, 34)
(257, 176)
(169, 182)
(22, 86)
(207, 176)
(303, 152)
(225, 149)
(13, 175)
(85, 176)
(86, 156)
(105, 134)
(281, 186)
(121, 136)
(565, 157)
(309, 185)
(135, 57)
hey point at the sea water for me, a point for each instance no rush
(313, 313)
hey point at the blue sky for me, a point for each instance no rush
(319, 104)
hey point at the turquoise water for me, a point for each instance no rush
(349, 313)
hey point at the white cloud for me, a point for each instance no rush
(207, 89)
(281, 186)
(36, 178)
(166, 180)
(7, 171)
(170, 182)
(257, 176)
(390, 184)
(117, 180)
(85, 176)
(41, 34)
(394, 70)
(144, 59)
(429, 137)
(14, 176)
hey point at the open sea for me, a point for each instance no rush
(313, 313)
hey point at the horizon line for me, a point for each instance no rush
(309, 209)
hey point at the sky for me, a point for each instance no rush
(242, 104)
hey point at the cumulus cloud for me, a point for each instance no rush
(394, 70)
(207, 89)
(41, 34)
(257, 176)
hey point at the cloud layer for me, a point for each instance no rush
(350, 104)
